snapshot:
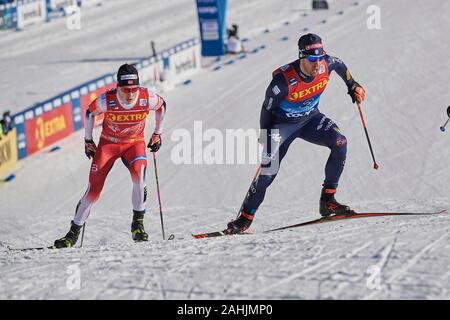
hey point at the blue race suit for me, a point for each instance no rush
(290, 110)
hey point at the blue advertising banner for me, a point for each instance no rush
(8, 14)
(212, 22)
(60, 5)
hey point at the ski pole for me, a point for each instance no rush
(159, 195)
(254, 179)
(82, 235)
(375, 165)
(445, 124)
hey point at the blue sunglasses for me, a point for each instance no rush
(315, 58)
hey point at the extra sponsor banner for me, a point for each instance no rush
(212, 22)
(30, 12)
(48, 128)
(8, 152)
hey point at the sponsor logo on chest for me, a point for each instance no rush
(127, 117)
(309, 91)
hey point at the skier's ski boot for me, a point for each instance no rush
(241, 224)
(70, 239)
(137, 228)
(329, 205)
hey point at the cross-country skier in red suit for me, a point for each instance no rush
(125, 110)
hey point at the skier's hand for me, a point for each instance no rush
(357, 93)
(89, 148)
(155, 142)
(448, 111)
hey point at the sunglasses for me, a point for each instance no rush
(129, 89)
(315, 58)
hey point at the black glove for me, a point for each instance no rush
(89, 148)
(448, 111)
(155, 142)
(357, 92)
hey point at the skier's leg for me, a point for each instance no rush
(323, 131)
(135, 159)
(275, 148)
(103, 160)
(270, 165)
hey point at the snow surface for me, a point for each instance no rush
(404, 70)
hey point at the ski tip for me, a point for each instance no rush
(32, 249)
(217, 234)
(207, 235)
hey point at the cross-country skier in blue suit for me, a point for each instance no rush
(290, 110)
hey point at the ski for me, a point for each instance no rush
(30, 249)
(355, 216)
(216, 234)
(209, 235)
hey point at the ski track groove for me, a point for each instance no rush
(410, 263)
(385, 254)
(330, 262)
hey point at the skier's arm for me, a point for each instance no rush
(89, 121)
(158, 104)
(275, 92)
(355, 90)
(336, 64)
(159, 118)
(96, 107)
